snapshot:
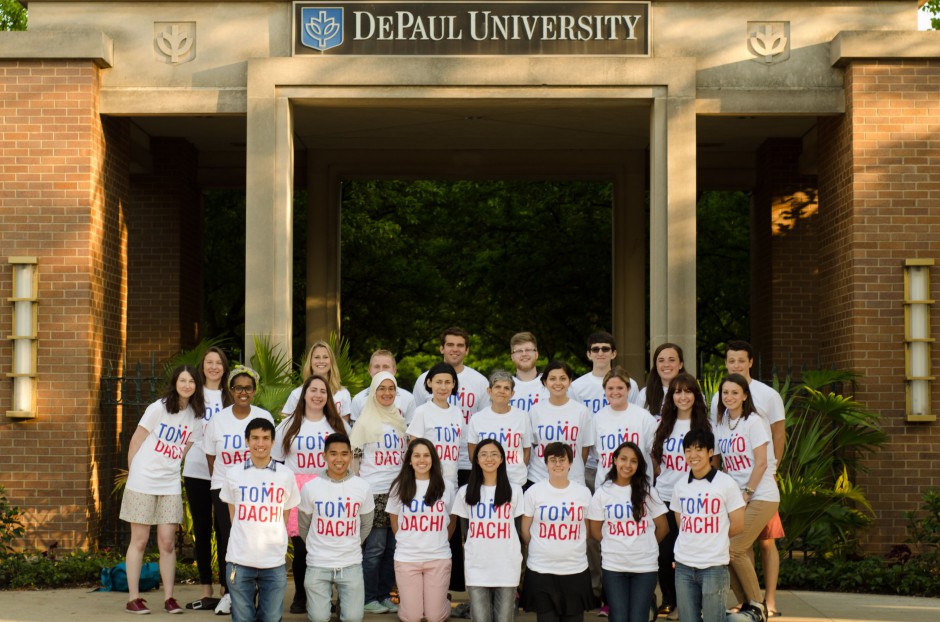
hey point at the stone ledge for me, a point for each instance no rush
(56, 45)
(852, 45)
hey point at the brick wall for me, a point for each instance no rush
(165, 245)
(880, 195)
(784, 270)
(61, 201)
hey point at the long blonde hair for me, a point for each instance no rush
(333, 375)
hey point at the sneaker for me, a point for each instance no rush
(389, 604)
(171, 606)
(749, 612)
(375, 607)
(603, 612)
(137, 606)
(224, 607)
(298, 605)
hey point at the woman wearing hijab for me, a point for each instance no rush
(378, 439)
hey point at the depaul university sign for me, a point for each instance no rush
(471, 28)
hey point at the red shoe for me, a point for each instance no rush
(171, 606)
(137, 606)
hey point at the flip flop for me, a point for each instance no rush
(773, 613)
(206, 602)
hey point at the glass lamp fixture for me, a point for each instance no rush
(917, 339)
(25, 302)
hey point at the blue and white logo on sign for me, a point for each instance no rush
(321, 28)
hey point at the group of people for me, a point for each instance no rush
(534, 489)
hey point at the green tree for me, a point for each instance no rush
(933, 8)
(12, 15)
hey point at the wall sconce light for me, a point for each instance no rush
(25, 301)
(917, 340)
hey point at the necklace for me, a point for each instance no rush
(733, 423)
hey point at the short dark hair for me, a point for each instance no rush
(258, 423)
(558, 450)
(699, 437)
(457, 332)
(738, 345)
(601, 337)
(336, 437)
(553, 365)
(441, 368)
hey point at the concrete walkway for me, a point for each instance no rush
(80, 605)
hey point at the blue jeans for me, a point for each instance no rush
(701, 593)
(319, 584)
(378, 564)
(629, 595)
(270, 583)
(492, 604)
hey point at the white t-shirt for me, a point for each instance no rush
(381, 461)
(493, 551)
(737, 454)
(672, 466)
(335, 510)
(306, 450)
(261, 496)
(511, 430)
(471, 398)
(613, 427)
(225, 439)
(558, 542)
(767, 403)
(341, 398)
(704, 505)
(571, 424)
(445, 428)
(422, 528)
(156, 466)
(528, 393)
(627, 544)
(404, 402)
(196, 465)
(641, 401)
(589, 390)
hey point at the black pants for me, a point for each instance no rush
(200, 508)
(299, 568)
(667, 575)
(223, 526)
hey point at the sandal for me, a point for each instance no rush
(206, 602)
(774, 613)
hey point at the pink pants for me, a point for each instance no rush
(422, 588)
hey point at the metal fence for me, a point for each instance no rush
(123, 398)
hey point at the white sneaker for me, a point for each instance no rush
(224, 607)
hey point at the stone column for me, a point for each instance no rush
(629, 265)
(269, 239)
(323, 250)
(672, 225)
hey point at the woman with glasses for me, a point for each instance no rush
(226, 448)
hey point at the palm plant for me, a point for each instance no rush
(278, 377)
(828, 436)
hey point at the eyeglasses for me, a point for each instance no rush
(596, 349)
(525, 351)
(241, 389)
(557, 460)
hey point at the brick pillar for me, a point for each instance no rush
(165, 254)
(880, 204)
(63, 180)
(784, 265)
